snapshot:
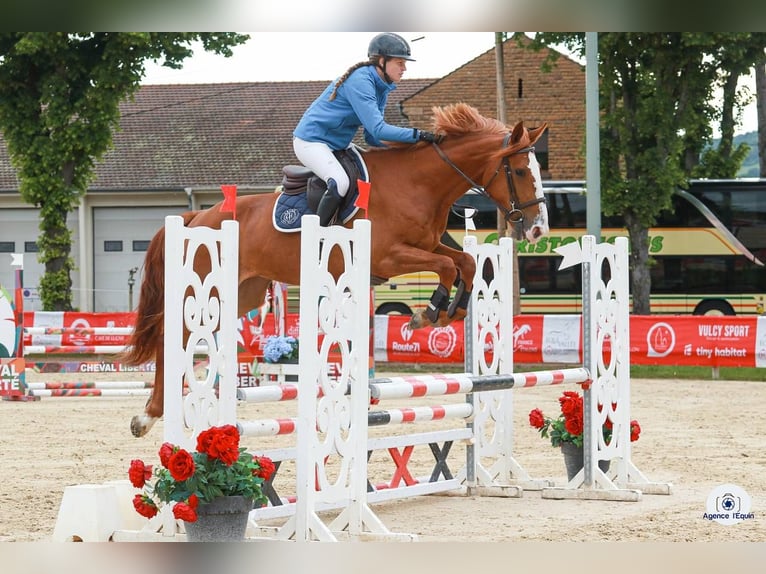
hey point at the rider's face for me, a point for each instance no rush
(395, 68)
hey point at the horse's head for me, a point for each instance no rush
(518, 190)
(502, 165)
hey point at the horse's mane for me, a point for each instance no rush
(456, 120)
(461, 119)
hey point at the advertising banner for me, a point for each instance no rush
(722, 341)
(698, 340)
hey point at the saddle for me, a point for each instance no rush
(298, 179)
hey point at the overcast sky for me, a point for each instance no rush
(288, 56)
(294, 56)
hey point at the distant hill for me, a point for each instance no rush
(750, 165)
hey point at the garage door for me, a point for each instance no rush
(120, 238)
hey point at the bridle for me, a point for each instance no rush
(515, 214)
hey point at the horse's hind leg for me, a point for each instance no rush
(141, 424)
(252, 294)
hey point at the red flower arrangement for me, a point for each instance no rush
(568, 427)
(219, 467)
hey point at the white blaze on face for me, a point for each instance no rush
(539, 226)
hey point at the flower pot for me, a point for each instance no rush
(221, 520)
(573, 459)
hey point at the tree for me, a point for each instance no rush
(736, 57)
(656, 110)
(59, 106)
(760, 94)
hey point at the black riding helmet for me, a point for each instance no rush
(389, 45)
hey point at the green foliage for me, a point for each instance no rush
(656, 102)
(716, 164)
(59, 106)
(212, 479)
(55, 283)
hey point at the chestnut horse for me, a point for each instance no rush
(413, 189)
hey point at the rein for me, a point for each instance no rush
(513, 215)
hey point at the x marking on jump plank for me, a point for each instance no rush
(401, 460)
(268, 487)
(440, 455)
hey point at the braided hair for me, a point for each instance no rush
(371, 62)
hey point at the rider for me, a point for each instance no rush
(358, 98)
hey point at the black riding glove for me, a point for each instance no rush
(429, 137)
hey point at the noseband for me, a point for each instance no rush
(515, 214)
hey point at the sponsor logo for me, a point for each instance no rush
(723, 331)
(520, 340)
(660, 340)
(80, 338)
(442, 341)
(289, 216)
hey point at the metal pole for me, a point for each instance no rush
(469, 350)
(587, 354)
(592, 140)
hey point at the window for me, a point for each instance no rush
(141, 244)
(112, 246)
(30, 247)
(7, 246)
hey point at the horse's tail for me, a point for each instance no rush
(147, 337)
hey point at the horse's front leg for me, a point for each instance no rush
(466, 269)
(141, 424)
(455, 268)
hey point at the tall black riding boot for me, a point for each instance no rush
(329, 203)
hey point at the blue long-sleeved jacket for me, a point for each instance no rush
(360, 101)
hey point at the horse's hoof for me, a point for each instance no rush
(418, 321)
(137, 427)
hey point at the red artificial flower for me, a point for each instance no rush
(537, 419)
(193, 501)
(221, 443)
(266, 467)
(166, 451)
(182, 511)
(571, 403)
(181, 465)
(204, 440)
(574, 424)
(635, 430)
(225, 445)
(139, 473)
(144, 505)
